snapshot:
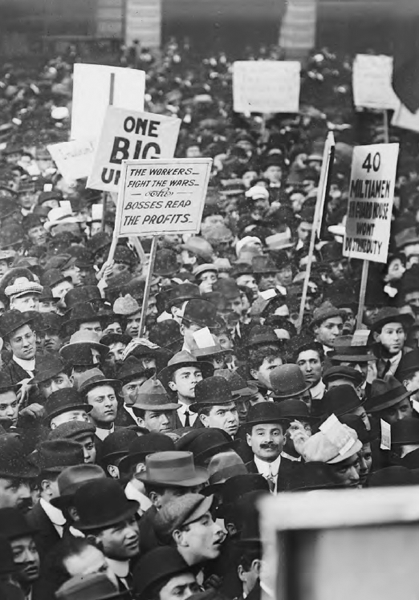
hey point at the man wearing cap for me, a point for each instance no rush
(20, 534)
(16, 474)
(132, 376)
(265, 434)
(389, 328)
(51, 375)
(23, 294)
(100, 393)
(215, 405)
(182, 374)
(82, 432)
(327, 325)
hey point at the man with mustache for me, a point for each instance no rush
(265, 434)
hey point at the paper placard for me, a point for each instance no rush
(415, 405)
(73, 159)
(370, 206)
(129, 135)
(266, 86)
(164, 196)
(404, 119)
(204, 338)
(385, 443)
(337, 434)
(268, 294)
(372, 82)
(360, 337)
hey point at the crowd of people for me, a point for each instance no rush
(135, 449)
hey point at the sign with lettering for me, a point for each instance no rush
(74, 159)
(128, 135)
(371, 194)
(372, 82)
(266, 86)
(164, 196)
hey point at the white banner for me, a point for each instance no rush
(129, 135)
(371, 82)
(74, 159)
(164, 196)
(266, 86)
(371, 194)
(405, 119)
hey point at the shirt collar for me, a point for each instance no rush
(268, 468)
(317, 391)
(54, 514)
(27, 365)
(119, 567)
(102, 434)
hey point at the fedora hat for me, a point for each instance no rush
(81, 313)
(261, 335)
(293, 409)
(63, 401)
(288, 381)
(409, 364)
(180, 360)
(132, 369)
(202, 313)
(47, 367)
(263, 412)
(221, 467)
(344, 351)
(83, 338)
(213, 391)
(165, 263)
(157, 566)
(13, 462)
(181, 293)
(151, 395)
(323, 312)
(210, 351)
(71, 479)
(173, 468)
(93, 378)
(239, 387)
(345, 373)
(94, 586)
(11, 320)
(82, 295)
(341, 400)
(102, 503)
(385, 393)
(116, 445)
(54, 455)
(237, 486)
(180, 512)
(205, 442)
(143, 446)
(73, 430)
(389, 314)
(13, 524)
(405, 431)
(53, 277)
(6, 383)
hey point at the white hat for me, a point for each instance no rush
(321, 447)
(23, 286)
(248, 239)
(257, 191)
(60, 216)
(279, 241)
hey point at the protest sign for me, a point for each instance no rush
(95, 87)
(371, 194)
(266, 86)
(129, 135)
(371, 82)
(74, 159)
(164, 196)
(405, 119)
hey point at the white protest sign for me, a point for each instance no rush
(371, 194)
(74, 159)
(129, 135)
(95, 87)
(266, 86)
(372, 82)
(164, 196)
(405, 119)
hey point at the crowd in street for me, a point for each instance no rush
(135, 448)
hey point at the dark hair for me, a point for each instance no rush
(258, 355)
(248, 555)
(315, 346)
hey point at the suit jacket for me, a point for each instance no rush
(284, 472)
(15, 372)
(46, 535)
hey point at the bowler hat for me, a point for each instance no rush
(157, 565)
(180, 360)
(116, 445)
(385, 393)
(82, 295)
(63, 401)
(389, 314)
(181, 293)
(165, 263)
(212, 391)
(261, 335)
(205, 442)
(53, 277)
(50, 322)
(132, 369)
(173, 468)
(287, 381)
(228, 288)
(344, 351)
(13, 524)
(94, 586)
(6, 383)
(143, 446)
(54, 455)
(405, 431)
(98, 242)
(81, 313)
(47, 367)
(93, 378)
(102, 503)
(11, 320)
(151, 395)
(78, 355)
(72, 478)
(263, 412)
(235, 487)
(345, 373)
(409, 364)
(293, 409)
(201, 312)
(73, 430)
(13, 462)
(180, 512)
(340, 400)
(324, 312)
(239, 387)
(7, 565)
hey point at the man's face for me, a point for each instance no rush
(160, 421)
(187, 331)
(26, 200)
(412, 298)
(273, 173)
(60, 290)
(133, 325)
(47, 306)
(310, 366)
(263, 372)
(130, 390)
(15, 493)
(267, 281)
(69, 415)
(346, 473)
(203, 539)
(179, 587)
(58, 382)
(89, 448)
(26, 558)
(37, 235)
(284, 276)
(104, 403)
(329, 330)
(365, 462)
(26, 302)
(207, 280)
(114, 327)
(23, 343)
(266, 441)
(73, 273)
(304, 231)
(52, 341)
(399, 411)
(94, 326)
(185, 380)
(225, 341)
(5, 265)
(122, 541)
(412, 384)
(248, 280)
(392, 337)
(224, 417)
(9, 407)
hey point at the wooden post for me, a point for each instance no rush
(306, 278)
(386, 132)
(105, 195)
(148, 283)
(362, 291)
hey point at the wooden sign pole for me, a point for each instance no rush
(148, 284)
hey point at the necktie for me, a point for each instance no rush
(271, 481)
(187, 421)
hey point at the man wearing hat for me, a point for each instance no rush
(197, 315)
(389, 400)
(16, 474)
(287, 382)
(408, 373)
(83, 317)
(63, 406)
(51, 375)
(348, 354)
(154, 409)
(327, 325)
(340, 375)
(9, 404)
(95, 586)
(116, 344)
(264, 355)
(82, 432)
(215, 405)
(101, 394)
(389, 329)
(23, 294)
(182, 374)
(20, 534)
(114, 448)
(265, 434)
(343, 400)
(17, 330)
(132, 376)
(296, 415)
